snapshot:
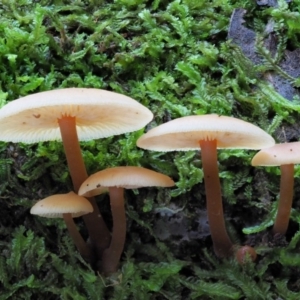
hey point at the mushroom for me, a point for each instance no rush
(245, 253)
(70, 115)
(208, 132)
(66, 206)
(116, 179)
(283, 155)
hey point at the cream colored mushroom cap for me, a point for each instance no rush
(98, 113)
(185, 133)
(57, 205)
(279, 154)
(127, 177)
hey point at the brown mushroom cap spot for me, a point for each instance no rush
(277, 155)
(184, 133)
(128, 177)
(97, 191)
(98, 113)
(56, 205)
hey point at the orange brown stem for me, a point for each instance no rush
(77, 238)
(285, 200)
(223, 246)
(98, 232)
(72, 149)
(111, 255)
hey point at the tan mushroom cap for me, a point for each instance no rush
(57, 205)
(279, 154)
(185, 133)
(127, 177)
(98, 113)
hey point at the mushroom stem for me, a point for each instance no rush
(98, 232)
(72, 149)
(111, 256)
(77, 238)
(285, 200)
(223, 246)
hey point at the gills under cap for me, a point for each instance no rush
(98, 113)
(57, 205)
(279, 154)
(127, 177)
(186, 132)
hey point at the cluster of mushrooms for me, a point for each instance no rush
(81, 114)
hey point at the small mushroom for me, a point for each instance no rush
(283, 155)
(66, 206)
(208, 133)
(116, 179)
(245, 253)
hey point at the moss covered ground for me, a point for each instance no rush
(177, 57)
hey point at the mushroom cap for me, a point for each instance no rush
(185, 133)
(56, 205)
(279, 154)
(98, 113)
(126, 177)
